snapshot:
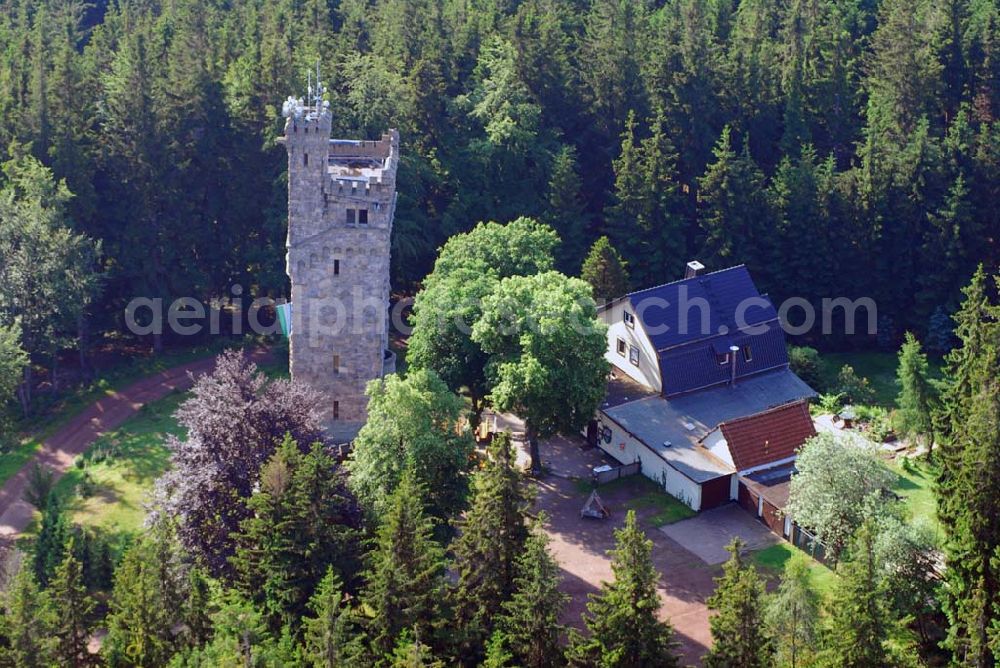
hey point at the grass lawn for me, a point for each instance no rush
(878, 367)
(109, 486)
(772, 562)
(916, 486)
(643, 495)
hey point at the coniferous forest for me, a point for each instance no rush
(838, 148)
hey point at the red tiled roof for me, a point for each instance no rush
(768, 437)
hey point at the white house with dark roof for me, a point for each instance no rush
(701, 393)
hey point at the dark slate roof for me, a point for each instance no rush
(695, 366)
(771, 436)
(663, 307)
(683, 421)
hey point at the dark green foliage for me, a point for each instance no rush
(531, 632)
(622, 619)
(50, 544)
(304, 522)
(72, 608)
(970, 460)
(605, 270)
(854, 388)
(492, 537)
(28, 622)
(41, 480)
(804, 362)
(917, 394)
(330, 633)
(739, 634)
(405, 575)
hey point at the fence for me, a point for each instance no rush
(809, 544)
(603, 477)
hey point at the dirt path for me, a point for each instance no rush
(72, 439)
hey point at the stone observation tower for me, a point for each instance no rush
(341, 201)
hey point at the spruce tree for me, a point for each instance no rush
(493, 535)
(968, 508)
(605, 270)
(330, 637)
(622, 618)
(197, 619)
(739, 635)
(50, 544)
(405, 575)
(531, 632)
(411, 653)
(28, 623)
(793, 615)
(72, 607)
(304, 521)
(144, 608)
(566, 211)
(917, 395)
(861, 621)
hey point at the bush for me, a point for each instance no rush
(41, 480)
(831, 403)
(804, 362)
(856, 389)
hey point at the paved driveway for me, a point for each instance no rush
(708, 533)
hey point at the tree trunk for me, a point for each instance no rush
(536, 455)
(24, 390)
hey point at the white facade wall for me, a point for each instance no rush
(647, 372)
(627, 449)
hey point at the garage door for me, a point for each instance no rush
(748, 499)
(773, 518)
(714, 493)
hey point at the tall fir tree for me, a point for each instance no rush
(50, 544)
(73, 608)
(740, 638)
(605, 270)
(567, 213)
(493, 535)
(405, 576)
(793, 616)
(917, 394)
(623, 618)
(531, 631)
(28, 622)
(330, 636)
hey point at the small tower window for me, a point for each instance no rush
(336, 363)
(336, 267)
(336, 410)
(351, 216)
(305, 159)
(362, 216)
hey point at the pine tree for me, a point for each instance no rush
(531, 632)
(861, 621)
(197, 619)
(330, 637)
(917, 395)
(605, 270)
(566, 211)
(970, 460)
(304, 521)
(72, 607)
(410, 653)
(50, 545)
(793, 615)
(144, 607)
(492, 537)
(28, 623)
(739, 636)
(622, 618)
(405, 573)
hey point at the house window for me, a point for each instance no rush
(362, 216)
(336, 363)
(305, 159)
(621, 347)
(633, 355)
(351, 216)
(336, 410)
(336, 267)
(722, 358)
(747, 355)
(629, 320)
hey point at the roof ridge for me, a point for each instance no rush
(773, 409)
(683, 280)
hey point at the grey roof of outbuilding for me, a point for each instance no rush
(655, 420)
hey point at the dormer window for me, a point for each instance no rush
(629, 320)
(722, 358)
(747, 354)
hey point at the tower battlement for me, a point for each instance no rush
(341, 204)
